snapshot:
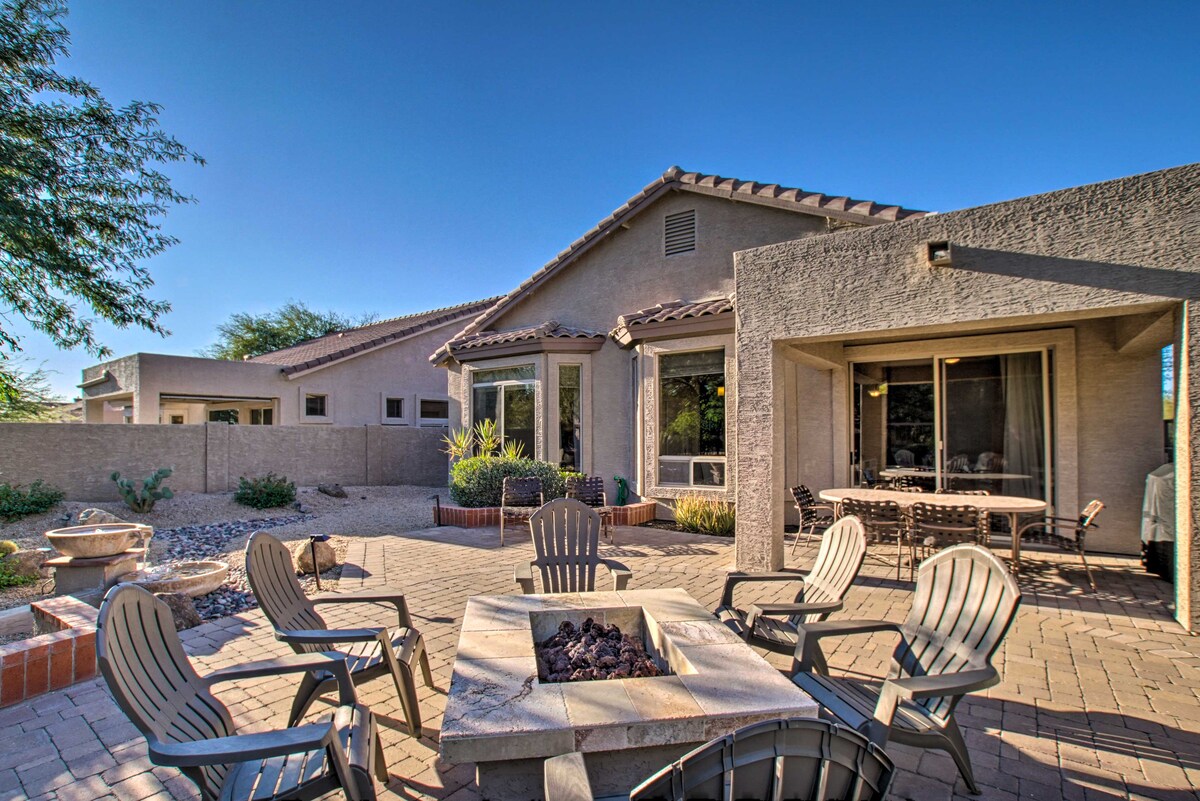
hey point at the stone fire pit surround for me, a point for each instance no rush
(500, 716)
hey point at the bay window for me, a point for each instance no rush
(691, 419)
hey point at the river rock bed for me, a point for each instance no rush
(592, 652)
(188, 543)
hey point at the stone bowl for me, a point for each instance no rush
(104, 539)
(190, 578)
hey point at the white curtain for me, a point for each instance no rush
(1024, 423)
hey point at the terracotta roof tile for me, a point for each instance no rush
(551, 329)
(340, 344)
(676, 310)
(864, 211)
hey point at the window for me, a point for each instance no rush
(177, 419)
(223, 416)
(316, 405)
(679, 233)
(393, 408)
(262, 417)
(506, 395)
(691, 419)
(569, 417)
(434, 411)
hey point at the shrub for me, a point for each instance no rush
(10, 579)
(479, 480)
(265, 492)
(16, 503)
(705, 515)
(7, 547)
(143, 500)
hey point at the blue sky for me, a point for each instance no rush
(388, 158)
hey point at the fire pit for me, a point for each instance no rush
(506, 715)
(594, 652)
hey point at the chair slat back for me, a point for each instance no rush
(521, 491)
(796, 759)
(964, 602)
(945, 525)
(272, 577)
(806, 505)
(566, 538)
(152, 680)
(586, 489)
(843, 547)
(880, 519)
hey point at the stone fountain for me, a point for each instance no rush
(93, 557)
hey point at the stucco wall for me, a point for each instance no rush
(626, 273)
(210, 458)
(355, 386)
(1121, 246)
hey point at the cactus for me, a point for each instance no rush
(143, 500)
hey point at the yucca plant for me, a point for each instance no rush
(512, 449)
(487, 438)
(459, 444)
(705, 515)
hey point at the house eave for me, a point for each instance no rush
(628, 336)
(559, 345)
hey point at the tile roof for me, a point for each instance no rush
(838, 207)
(676, 310)
(340, 344)
(551, 329)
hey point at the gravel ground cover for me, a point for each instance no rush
(197, 526)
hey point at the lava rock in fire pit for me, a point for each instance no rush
(593, 652)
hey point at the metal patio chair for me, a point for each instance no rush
(936, 526)
(799, 759)
(812, 514)
(1067, 533)
(590, 490)
(885, 522)
(566, 538)
(773, 626)
(151, 678)
(519, 499)
(369, 651)
(964, 602)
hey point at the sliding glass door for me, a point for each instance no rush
(978, 422)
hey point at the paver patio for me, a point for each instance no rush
(1099, 698)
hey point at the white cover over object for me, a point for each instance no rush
(1158, 507)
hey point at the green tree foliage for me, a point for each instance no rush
(33, 401)
(244, 335)
(80, 194)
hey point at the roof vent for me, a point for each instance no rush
(679, 232)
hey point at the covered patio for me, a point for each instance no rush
(1016, 348)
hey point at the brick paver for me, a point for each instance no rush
(1099, 698)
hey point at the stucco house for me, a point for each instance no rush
(1025, 338)
(617, 357)
(370, 375)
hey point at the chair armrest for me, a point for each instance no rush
(371, 597)
(736, 578)
(916, 688)
(329, 636)
(808, 655)
(565, 778)
(293, 663)
(243, 747)
(620, 573)
(523, 575)
(824, 607)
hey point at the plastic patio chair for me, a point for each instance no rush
(566, 538)
(152, 680)
(369, 651)
(799, 759)
(773, 626)
(964, 602)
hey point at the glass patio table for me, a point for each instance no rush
(1011, 506)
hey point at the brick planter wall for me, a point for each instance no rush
(65, 653)
(633, 514)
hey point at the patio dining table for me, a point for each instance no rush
(1010, 505)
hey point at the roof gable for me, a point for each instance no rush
(846, 209)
